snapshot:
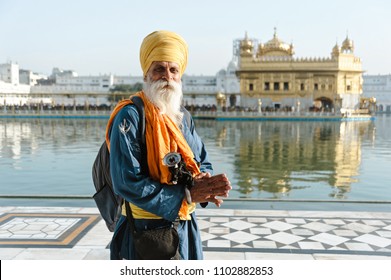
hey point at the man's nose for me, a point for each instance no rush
(166, 74)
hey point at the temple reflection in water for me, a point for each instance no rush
(281, 158)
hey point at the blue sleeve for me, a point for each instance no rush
(125, 166)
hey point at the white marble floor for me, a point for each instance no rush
(79, 233)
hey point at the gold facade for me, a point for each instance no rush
(273, 74)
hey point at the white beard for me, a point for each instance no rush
(167, 97)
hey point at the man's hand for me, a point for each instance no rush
(206, 188)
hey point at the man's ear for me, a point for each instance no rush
(145, 78)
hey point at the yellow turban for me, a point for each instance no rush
(163, 46)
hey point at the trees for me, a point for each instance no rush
(124, 91)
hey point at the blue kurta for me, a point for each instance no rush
(136, 187)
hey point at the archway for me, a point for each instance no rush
(323, 103)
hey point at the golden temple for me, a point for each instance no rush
(269, 74)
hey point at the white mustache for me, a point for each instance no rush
(163, 85)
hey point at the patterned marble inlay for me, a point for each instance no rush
(297, 234)
(44, 230)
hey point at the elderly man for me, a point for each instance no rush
(155, 200)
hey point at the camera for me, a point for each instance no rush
(178, 169)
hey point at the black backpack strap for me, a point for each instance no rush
(138, 102)
(129, 217)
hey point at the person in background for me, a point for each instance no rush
(154, 199)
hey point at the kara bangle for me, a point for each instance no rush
(188, 196)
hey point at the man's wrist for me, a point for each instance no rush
(188, 195)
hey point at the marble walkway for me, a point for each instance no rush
(72, 233)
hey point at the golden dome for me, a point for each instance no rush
(347, 45)
(275, 46)
(336, 50)
(246, 46)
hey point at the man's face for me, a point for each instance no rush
(164, 70)
(163, 88)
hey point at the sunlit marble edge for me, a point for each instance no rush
(340, 214)
(52, 210)
(104, 255)
(213, 212)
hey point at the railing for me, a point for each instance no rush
(89, 197)
(54, 111)
(104, 111)
(265, 114)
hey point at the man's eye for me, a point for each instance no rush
(159, 70)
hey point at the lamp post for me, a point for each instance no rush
(74, 104)
(259, 105)
(372, 105)
(298, 107)
(220, 100)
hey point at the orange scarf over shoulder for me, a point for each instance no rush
(162, 136)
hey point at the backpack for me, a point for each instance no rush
(108, 202)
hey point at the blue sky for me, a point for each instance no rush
(99, 37)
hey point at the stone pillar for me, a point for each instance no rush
(338, 104)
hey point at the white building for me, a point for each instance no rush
(202, 90)
(199, 90)
(68, 88)
(57, 72)
(378, 86)
(9, 73)
(28, 77)
(81, 84)
(11, 92)
(127, 80)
